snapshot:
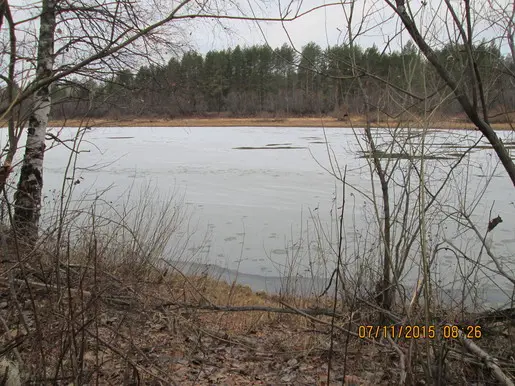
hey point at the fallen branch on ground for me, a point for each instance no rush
(277, 310)
(301, 312)
(402, 361)
(489, 360)
(497, 315)
(118, 300)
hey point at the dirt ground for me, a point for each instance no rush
(119, 324)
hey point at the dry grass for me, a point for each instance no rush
(107, 309)
(354, 121)
(111, 324)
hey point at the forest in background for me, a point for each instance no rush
(261, 81)
(93, 289)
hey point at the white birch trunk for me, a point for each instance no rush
(30, 184)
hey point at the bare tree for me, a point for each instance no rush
(423, 199)
(28, 195)
(83, 39)
(472, 99)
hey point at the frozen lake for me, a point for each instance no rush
(252, 190)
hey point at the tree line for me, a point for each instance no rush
(259, 80)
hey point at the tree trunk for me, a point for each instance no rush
(28, 196)
(385, 294)
(468, 107)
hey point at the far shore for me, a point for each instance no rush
(456, 124)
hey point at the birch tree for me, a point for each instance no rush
(85, 39)
(28, 195)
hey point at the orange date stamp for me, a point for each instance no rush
(447, 331)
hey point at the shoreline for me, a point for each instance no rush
(329, 122)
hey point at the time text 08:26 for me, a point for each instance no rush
(446, 331)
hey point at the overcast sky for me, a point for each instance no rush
(327, 25)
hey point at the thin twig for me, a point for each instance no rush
(489, 360)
